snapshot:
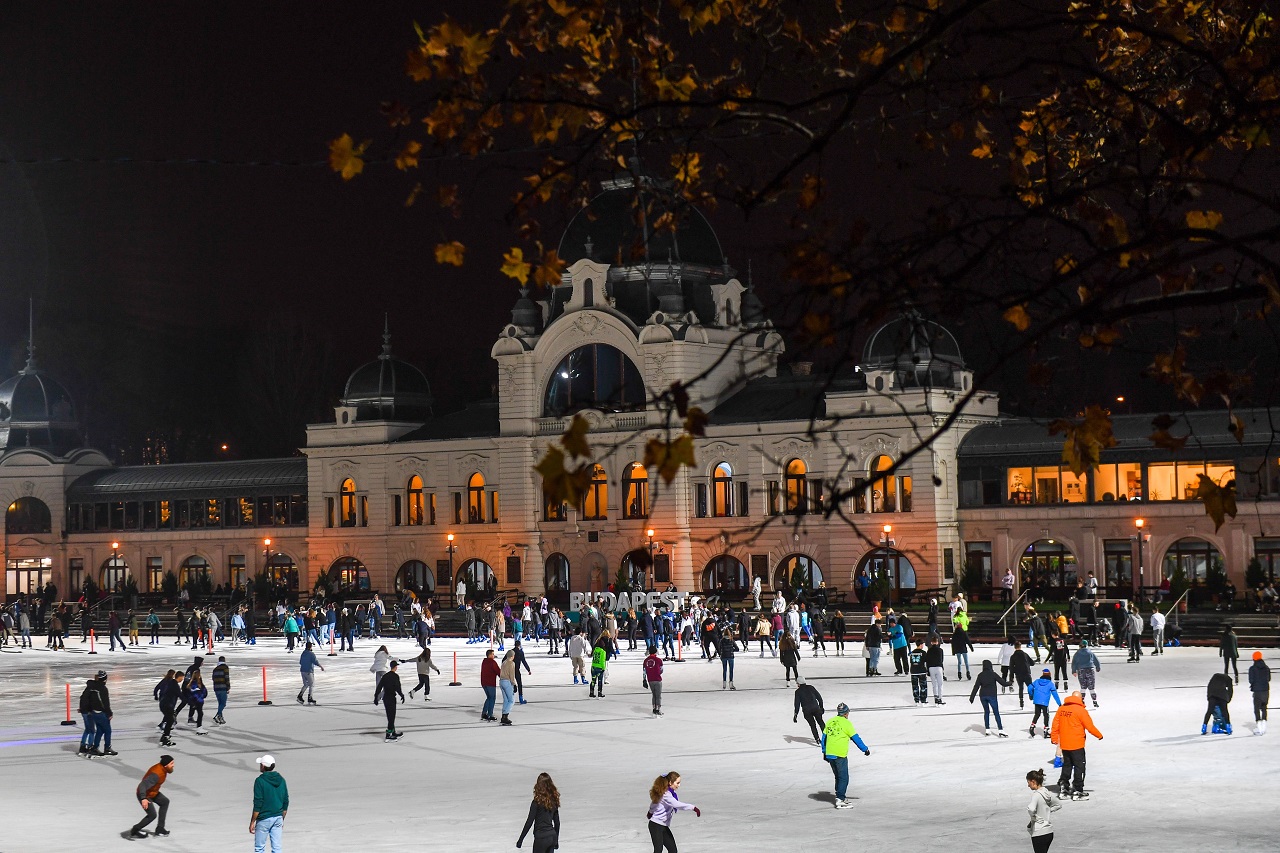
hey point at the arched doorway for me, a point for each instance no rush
(283, 571)
(556, 579)
(1048, 570)
(481, 582)
(725, 573)
(27, 515)
(891, 564)
(349, 575)
(635, 567)
(798, 571)
(195, 575)
(113, 574)
(416, 577)
(1199, 561)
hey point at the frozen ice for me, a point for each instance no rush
(458, 784)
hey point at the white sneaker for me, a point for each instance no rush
(844, 804)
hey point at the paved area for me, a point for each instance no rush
(458, 784)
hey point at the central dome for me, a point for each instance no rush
(36, 411)
(388, 389)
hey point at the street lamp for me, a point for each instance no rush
(115, 567)
(266, 561)
(1137, 579)
(652, 568)
(885, 543)
(453, 582)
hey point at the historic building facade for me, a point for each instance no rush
(390, 495)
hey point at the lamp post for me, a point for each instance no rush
(266, 562)
(652, 567)
(453, 582)
(1137, 578)
(886, 543)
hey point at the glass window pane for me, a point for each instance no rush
(1075, 489)
(1046, 485)
(1162, 482)
(1020, 486)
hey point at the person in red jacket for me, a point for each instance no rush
(653, 678)
(489, 670)
(1069, 726)
(150, 798)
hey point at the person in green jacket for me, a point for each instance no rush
(270, 805)
(599, 660)
(835, 749)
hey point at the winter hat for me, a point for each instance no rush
(166, 760)
(1257, 655)
(1045, 671)
(102, 675)
(800, 678)
(842, 709)
(1084, 644)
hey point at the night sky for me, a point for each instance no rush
(225, 302)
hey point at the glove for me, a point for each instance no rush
(866, 752)
(697, 811)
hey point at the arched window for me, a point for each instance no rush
(725, 573)
(482, 583)
(884, 496)
(475, 499)
(113, 574)
(281, 569)
(635, 489)
(27, 515)
(415, 576)
(347, 494)
(349, 575)
(595, 503)
(891, 564)
(722, 490)
(1194, 556)
(415, 504)
(195, 574)
(795, 487)
(635, 567)
(798, 572)
(595, 376)
(556, 576)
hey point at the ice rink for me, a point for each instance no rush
(933, 780)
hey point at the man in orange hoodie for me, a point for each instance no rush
(1069, 725)
(150, 798)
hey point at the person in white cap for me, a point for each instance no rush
(270, 805)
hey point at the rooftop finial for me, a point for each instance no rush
(386, 336)
(31, 336)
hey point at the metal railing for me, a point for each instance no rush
(1173, 608)
(1013, 608)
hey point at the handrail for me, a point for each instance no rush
(1005, 615)
(1174, 607)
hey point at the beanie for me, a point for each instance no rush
(166, 760)
(1257, 655)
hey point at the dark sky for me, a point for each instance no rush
(155, 283)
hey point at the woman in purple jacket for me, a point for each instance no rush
(664, 802)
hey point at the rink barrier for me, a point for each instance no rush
(455, 682)
(265, 700)
(332, 653)
(92, 642)
(68, 721)
(679, 651)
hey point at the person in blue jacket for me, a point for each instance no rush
(1042, 690)
(898, 643)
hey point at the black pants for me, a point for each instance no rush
(814, 719)
(901, 663)
(155, 633)
(162, 802)
(662, 838)
(1222, 709)
(1260, 704)
(519, 684)
(1135, 645)
(1231, 663)
(198, 708)
(1023, 685)
(545, 843)
(1040, 709)
(1040, 843)
(424, 684)
(920, 686)
(389, 704)
(1060, 668)
(1071, 759)
(170, 717)
(839, 638)
(791, 671)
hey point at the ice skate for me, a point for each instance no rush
(1001, 734)
(844, 804)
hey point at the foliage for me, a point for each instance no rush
(1178, 583)
(971, 579)
(880, 588)
(262, 585)
(1254, 575)
(90, 589)
(1215, 578)
(199, 584)
(621, 583)
(130, 586)
(169, 583)
(1219, 501)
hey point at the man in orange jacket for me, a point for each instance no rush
(1069, 725)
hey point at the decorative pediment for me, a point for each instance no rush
(793, 449)
(468, 464)
(340, 470)
(409, 466)
(879, 445)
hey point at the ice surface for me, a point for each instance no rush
(454, 783)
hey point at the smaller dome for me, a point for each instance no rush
(37, 411)
(920, 352)
(388, 389)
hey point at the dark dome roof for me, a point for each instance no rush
(911, 341)
(615, 222)
(388, 389)
(37, 411)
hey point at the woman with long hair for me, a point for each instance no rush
(544, 816)
(837, 631)
(789, 654)
(424, 675)
(664, 802)
(1042, 803)
(507, 684)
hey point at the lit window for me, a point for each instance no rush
(348, 495)
(635, 487)
(595, 376)
(416, 514)
(475, 499)
(722, 491)
(595, 502)
(795, 487)
(884, 496)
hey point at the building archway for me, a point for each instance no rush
(195, 575)
(797, 571)
(1197, 558)
(416, 576)
(635, 567)
(891, 564)
(725, 573)
(555, 579)
(1048, 569)
(349, 575)
(27, 515)
(113, 574)
(481, 582)
(282, 570)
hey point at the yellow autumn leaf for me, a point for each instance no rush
(688, 167)
(560, 484)
(574, 438)
(516, 266)
(548, 272)
(1085, 439)
(408, 156)
(345, 156)
(450, 253)
(1205, 219)
(1219, 501)
(1018, 316)
(668, 456)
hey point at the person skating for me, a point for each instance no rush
(1135, 635)
(599, 660)
(1036, 631)
(1157, 632)
(809, 701)
(152, 801)
(307, 663)
(133, 628)
(789, 655)
(424, 667)
(1041, 805)
(919, 669)
(664, 802)
(221, 688)
(386, 692)
(197, 693)
(871, 643)
(1219, 694)
(270, 805)
(100, 706)
(167, 693)
(1043, 689)
(727, 647)
(935, 661)
(507, 685)
(185, 698)
(1085, 666)
(544, 816)
(764, 634)
(835, 750)
(652, 678)
(985, 687)
(579, 650)
(960, 648)
(521, 661)
(153, 624)
(1260, 686)
(1005, 655)
(1229, 651)
(838, 628)
(489, 671)
(86, 715)
(1060, 651)
(898, 645)
(1069, 727)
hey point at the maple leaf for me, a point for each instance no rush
(450, 253)
(1204, 219)
(1017, 315)
(695, 423)
(559, 484)
(408, 156)
(1085, 439)
(474, 51)
(688, 167)
(668, 456)
(574, 438)
(1219, 501)
(418, 65)
(548, 272)
(345, 156)
(1162, 438)
(516, 266)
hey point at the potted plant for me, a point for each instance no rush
(971, 579)
(880, 591)
(169, 585)
(131, 591)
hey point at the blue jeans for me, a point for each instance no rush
(726, 669)
(102, 723)
(490, 696)
(269, 828)
(508, 695)
(990, 707)
(965, 657)
(86, 739)
(840, 769)
(222, 700)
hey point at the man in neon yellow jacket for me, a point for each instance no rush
(835, 749)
